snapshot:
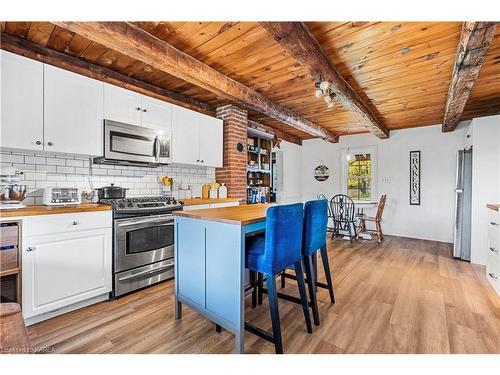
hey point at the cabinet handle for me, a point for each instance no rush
(30, 248)
(138, 109)
(38, 143)
(144, 110)
(198, 160)
(493, 250)
(49, 143)
(76, 222)
(493, 223)
(202, 161)
(492, 275)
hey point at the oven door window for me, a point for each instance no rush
(150, 238)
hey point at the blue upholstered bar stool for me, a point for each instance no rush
(314, 240)
(270, 253)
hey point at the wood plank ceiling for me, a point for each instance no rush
(402, 70)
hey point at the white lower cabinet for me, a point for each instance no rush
(66, 266)
(493, 257)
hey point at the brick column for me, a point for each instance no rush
(234, 170)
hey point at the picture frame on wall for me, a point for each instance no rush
(415, 169)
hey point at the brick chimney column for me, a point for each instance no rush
(234, 170)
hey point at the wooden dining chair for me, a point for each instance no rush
(344, 215)
(329, 226)
(377, 220)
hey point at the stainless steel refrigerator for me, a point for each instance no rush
(463, 201)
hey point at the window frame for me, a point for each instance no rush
(372, 150)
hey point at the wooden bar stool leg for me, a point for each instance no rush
(275, 315)
(303, 295)
(312, 287)
(328, 275)
(283, 282)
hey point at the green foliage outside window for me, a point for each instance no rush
(359, 178)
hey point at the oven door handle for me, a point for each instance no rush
(161, 223)
(146, 272)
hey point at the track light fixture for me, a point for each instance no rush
(329, 99)
(325, 88)
(318, 92)
(325, 85)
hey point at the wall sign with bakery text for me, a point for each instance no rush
(415, 178)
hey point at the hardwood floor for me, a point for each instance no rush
(403, 296)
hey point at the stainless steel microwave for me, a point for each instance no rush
(134, 145)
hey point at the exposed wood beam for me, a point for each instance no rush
(299, 43)
(132, 41)
(61, 60)
(272, 131)
(475, 41)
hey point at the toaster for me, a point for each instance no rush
(57, 196)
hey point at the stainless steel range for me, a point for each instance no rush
(143, 241)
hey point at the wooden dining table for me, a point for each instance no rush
(210, 275)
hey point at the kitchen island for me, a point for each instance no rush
(210, 263)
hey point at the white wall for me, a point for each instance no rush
(485, 180)
(433, 219)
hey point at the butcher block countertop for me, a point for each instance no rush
(195, 201)
(238, 215)
(493, 206)
(50, 210)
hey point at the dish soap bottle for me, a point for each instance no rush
(223, 191)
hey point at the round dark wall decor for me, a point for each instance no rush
(321, 173)
(239, 147)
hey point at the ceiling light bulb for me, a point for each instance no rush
(330, 105)
(319, 93)
(328, 99)
(325, 85)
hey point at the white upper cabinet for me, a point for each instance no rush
(210, 135)
(185, 136)
(22, 102)
(156, 113)
(122, 105)
(73, 112)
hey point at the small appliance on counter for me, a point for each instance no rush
(56, 196)
(223, 191)
(12, 193)
(214, 190)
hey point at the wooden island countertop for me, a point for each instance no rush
(492, 206)
(238, 215)
(195, 201)
(50, 210)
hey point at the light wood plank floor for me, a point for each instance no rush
(403, 296)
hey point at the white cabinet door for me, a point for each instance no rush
(156, 114)
(185, 136)
(210, 134)
(73, 112)
(122, 105)
(62, 269)
(22, 102)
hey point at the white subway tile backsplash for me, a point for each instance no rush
(74, 163)
(34, 160)
(61, 169)
(55, 161)
(47, 169)
(9, 158)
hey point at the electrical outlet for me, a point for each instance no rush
(387, 180)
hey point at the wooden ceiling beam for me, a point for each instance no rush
(280, 134)
(299, 43)
(134, 42)
(61, 60)
(475, 40)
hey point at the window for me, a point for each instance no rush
(359, 176)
